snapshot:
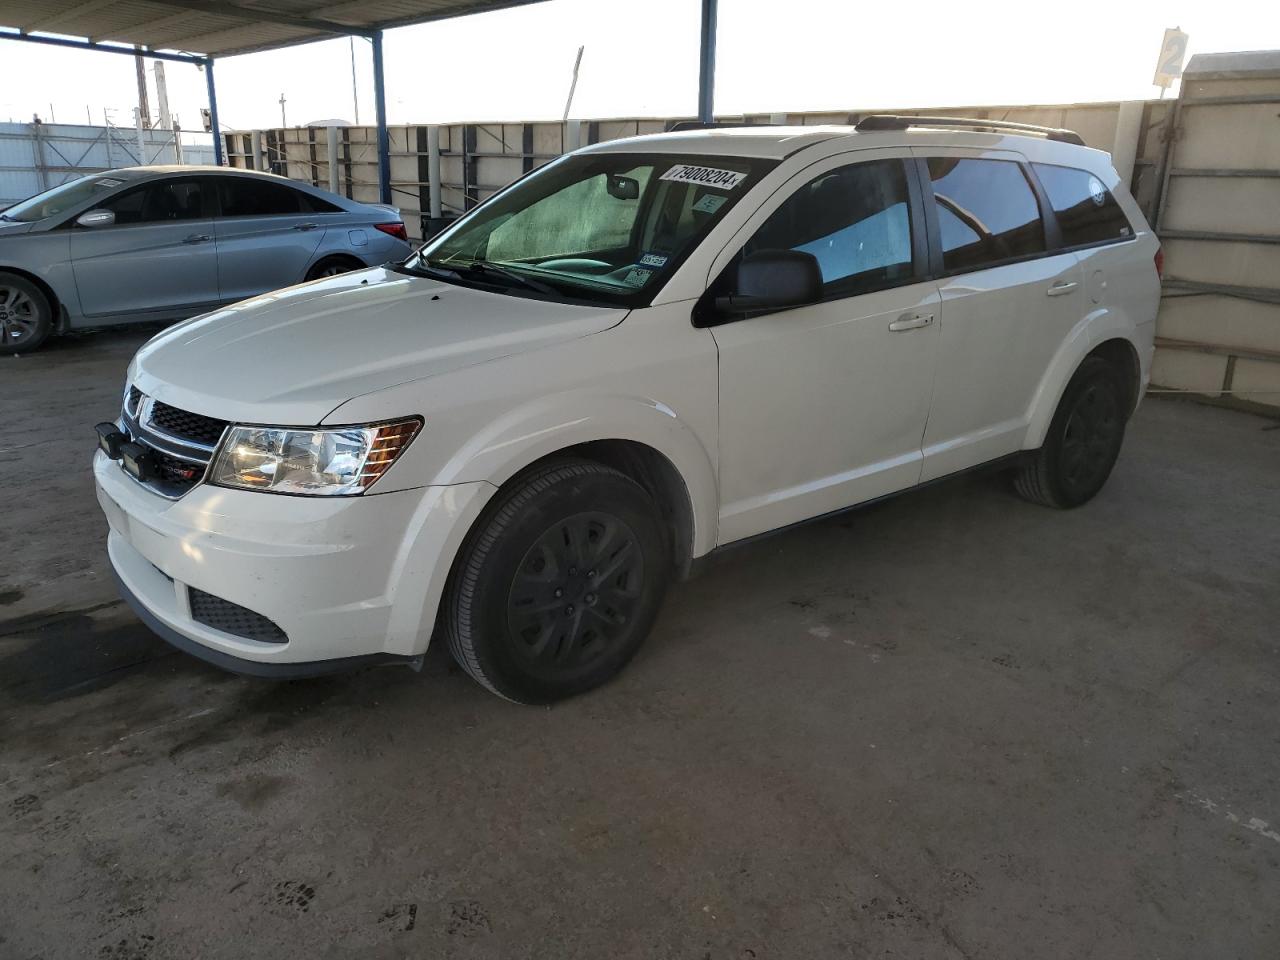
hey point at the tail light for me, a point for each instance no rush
(396, 230)
(1160, 262)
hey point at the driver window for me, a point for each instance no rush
(161, 201)
(854, 220)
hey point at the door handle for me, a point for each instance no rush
(1061, 287)
(305, 226)
(911, 321)
(197, 238)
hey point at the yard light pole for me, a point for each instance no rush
(213, 111)
(707, 62)
(380, 115)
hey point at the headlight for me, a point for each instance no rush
(336, 462)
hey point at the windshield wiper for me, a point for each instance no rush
(483, 267)
(424, 268)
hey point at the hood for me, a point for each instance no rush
(8, 229)
(292, 356)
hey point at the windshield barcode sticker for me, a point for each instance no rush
(706, 176)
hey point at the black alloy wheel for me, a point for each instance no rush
(559, 582)
(1083, 441)
(575, 593)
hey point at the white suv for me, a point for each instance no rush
(639, 353)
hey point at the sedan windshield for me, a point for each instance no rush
(60, 199)
(604, 228)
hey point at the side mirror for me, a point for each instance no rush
(96, 218)
(623, 188)
(773, 279)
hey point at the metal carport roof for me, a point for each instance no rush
(198, 31)
(223, 28)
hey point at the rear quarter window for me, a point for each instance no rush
(1086, 210)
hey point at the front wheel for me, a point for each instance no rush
(26, 316)
(559, 584)
(1083, 440)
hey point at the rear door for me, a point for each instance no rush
(267, 233)
(1008, 302)
(823, 405)
(157, 258)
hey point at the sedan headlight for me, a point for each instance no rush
(317, 462)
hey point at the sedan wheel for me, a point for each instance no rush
(25, 317)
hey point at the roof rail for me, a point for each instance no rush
(887, 121)
(682, 125)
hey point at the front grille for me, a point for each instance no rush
(181, 443)
(187, 426)
(232, 618)
(177, 473)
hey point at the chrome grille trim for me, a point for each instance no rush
(135, 420)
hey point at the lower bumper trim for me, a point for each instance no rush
(253, 668)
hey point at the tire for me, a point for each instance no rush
(26, 316)
(1083, 440)
(332, 267)
(572, 532)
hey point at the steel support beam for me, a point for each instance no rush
(100, 47)
(707, 62)
(380, 115)
(213, 112)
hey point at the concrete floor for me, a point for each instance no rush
(953, 726)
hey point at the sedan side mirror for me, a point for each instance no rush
(773, 279)
(96, 218)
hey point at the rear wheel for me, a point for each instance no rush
(1083, 440)
(332, 267)
(26, 316)
(559, 584)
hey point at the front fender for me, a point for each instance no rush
(519, 437)
(1096, 327)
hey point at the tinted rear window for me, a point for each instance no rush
(987, 212)
(245, 197)
(1087, 212)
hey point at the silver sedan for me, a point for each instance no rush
(163, 243)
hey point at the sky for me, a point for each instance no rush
(642, 60)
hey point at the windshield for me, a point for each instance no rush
(606, 228)
(60, 199)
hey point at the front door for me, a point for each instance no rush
(267, 234)
(156, 259)
(823, 406)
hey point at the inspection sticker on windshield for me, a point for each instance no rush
(110, 183)
(637, 277)
(653, 260)
(709, 203)
(707, 176)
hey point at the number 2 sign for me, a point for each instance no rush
(1172, 51)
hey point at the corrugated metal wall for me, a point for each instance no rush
(36, 156)
(476, 159)
(1219, 326)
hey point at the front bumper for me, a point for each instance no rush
(347, 579)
